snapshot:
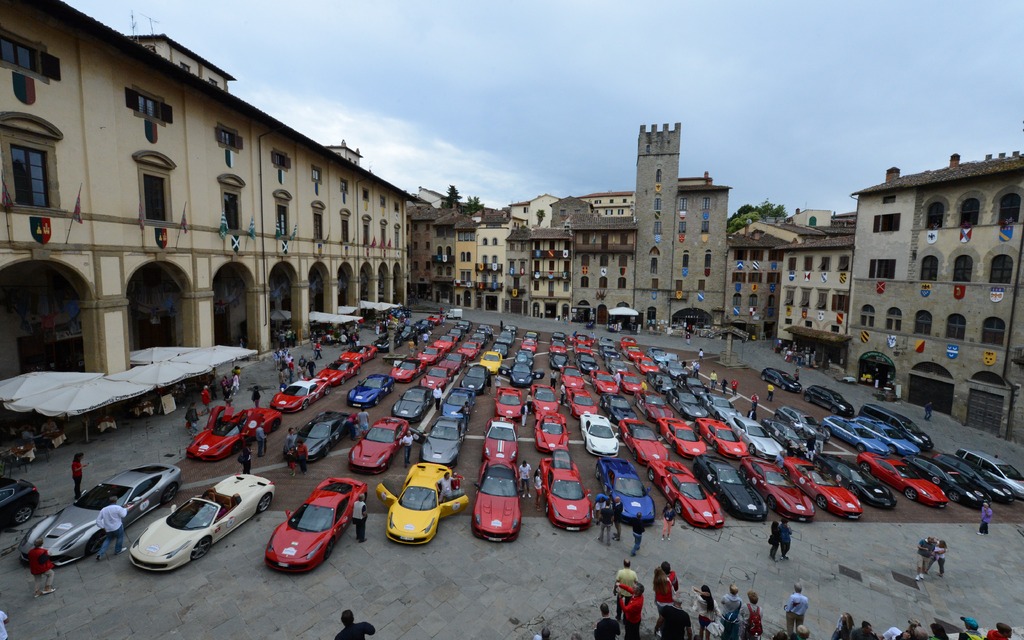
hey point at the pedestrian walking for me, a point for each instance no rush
(689, 336)
(245, 458)
(604, 514)
(617, 510)
(537, 486)
(750, 619)
(554, 378)
(561, 394)
(700, 355)
(318, 351)
(753, 402)
(41, 568)
(606, 628)
(725, 385)
(236, 383)
(731, 603)
(437, 394)
(928, 410)
(796, 608)
(939, 556)
(625, 577)
(771, 392)
(261, 441)
(353, 630)
(986, 518)
(406, 443)
(204, 396)
(290, 442)
(524, 479)
(785, 538)
(638, 535)
(706, 610)
(311, 368)
(192, 420)
(302, 455)
(663, 591)
(76, 473)
(714, 379)
(924, 556)
(773, 539)
(111, 520)
(282, 377)
(364, 422)
(668, 518)
(291, 370)
(359, 517)
(256, 397)
(632, 610)
(735, 386)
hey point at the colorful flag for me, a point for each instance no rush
(142, 218)
(252, 227)
(278, 231)
(76, 215)
(7, 201)
(373, 245)
(184, 220)
(223, 225)
(295, 231)
(389, 243)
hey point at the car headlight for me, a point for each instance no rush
(170, 555)
(381, 459)
(309, 556)
(476, 518)
(834, 501)
(430, 525)
(925, 493)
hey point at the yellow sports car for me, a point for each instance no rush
(413, 516)
(491, 360)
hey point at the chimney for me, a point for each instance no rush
(988, 156)
(892, 174)
(1016, 154)
(797, 211)
(954, 161)
(1002, 156)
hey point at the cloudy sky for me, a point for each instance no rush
(801, 103)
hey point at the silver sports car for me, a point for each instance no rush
(71, 533)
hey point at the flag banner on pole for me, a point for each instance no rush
(252, 227)
(7, 201)
(142, 218)
(184, 220)
(277, 231)
(223, 225)
(295, 231)
(76, 215)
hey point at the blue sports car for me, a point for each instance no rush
(619, 478)
(894, 440)
(460, 402)
(370, 390)
(856, 434)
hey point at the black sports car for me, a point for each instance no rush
(413, 404)
(557, 361)
(694, 386)
(660, 382)
(782, 433)
(781, 379)
(476, 378)
(324, 431)
(614, 366)
(736, 496)
(521, 374)
(586, 363)
(952, 463)
(957, 487)
(443, 443)
(686, 404)
(525, 356)
(18, 501)
(500, 347)
(869, 490)
(825, 397)
(617, 408)
(558, 335)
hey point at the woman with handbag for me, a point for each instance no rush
(707, 613)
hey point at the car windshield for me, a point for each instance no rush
(194, 514)
(416, 394)
(728, 475)
(615, 402)
(444, 432)
(315, 430)
(499, 481)
(225, 428)
(509, 399)
(501, 433)
(690, 490)
(890, 433)
(755, 430)
(726, 435)
(553, 428)
(373, 383)
(572, 372)
(492, 357)
(431, 351)
(785, 376)
(642, 432)
(905, 471)
(776, 479)
(521, 368)
(437, 372)
(604, 377)
(544, 394)
(567, 490)
(687, 398)
(631, 487)
(863, 432)
(686, 434)
(380, 434)
(457, 399)
(656, 401)
(560, 459)
(419, 498)
(312, 518)
(99, 496)
(821, 480)
(407, 366)
(296, 390)
(600, 430)
(809, 420)
(584, 400)
(719, 401)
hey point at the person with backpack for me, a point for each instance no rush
(970, 631)
(750, 618)
(731, 605)
(41, 566)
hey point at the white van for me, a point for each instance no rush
(454, 314)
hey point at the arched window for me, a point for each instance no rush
(923, 323)
(622, 283)
(956, 326)
(585, 260)
(584, 282)
(657, 176)
(686, 259)
(652, 314)
(1009, 208)
(893, 319)
(654, 266)
(602, 283)
(969, 211)
(1002, 270)
(603, 260)
(936, 214)
(657, 204)
(993, 331)
(737, 300)
(771, 300)
(707, 259)
(623, 261)
(752, 300)
(962, 268)
(867, 315)
(930, 268)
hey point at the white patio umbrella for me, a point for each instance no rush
(28, 384)
(214, 356)
(157, 354)
(160, 374)
(347, 310)
(76, 399)
(623, 311)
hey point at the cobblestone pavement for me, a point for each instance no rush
(459, 586)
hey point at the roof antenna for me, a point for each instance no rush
(152, 31)
(131, 14)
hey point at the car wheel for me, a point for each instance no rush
(274, 425)
(23, 513)
(752, 450)
(264, 502)
(650, 474)
(376, 401)
(910, 493)
(866, 468)
(764, 377)
(770, 502)
(305, 403)
(329, 549)
(93, 547)
(821, 502)
(807, 397)
(834, 409)
(679, 508)
(201, 549)
(169, 493)
(954, 495)
(327, 390)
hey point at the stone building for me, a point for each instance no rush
(754, 273)
(421, 249)
(443, 259)
(611, 203)
(935, 281)
(536, 211)
(467, 267)
(551, 265)
(604, 249)
(518, 249)
(141, 141)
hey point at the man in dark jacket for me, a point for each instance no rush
(354, 630)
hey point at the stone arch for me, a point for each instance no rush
(282, 302)
(366, 277)
(996, 200)
(397, 284)
(235, 300)
(160, 306)
(319, 280)
(932, 368)
(691, 317)
(383, 283)
(31, 124)
(346, 286)
(989, 377)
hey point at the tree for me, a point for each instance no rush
(451, 201)
(472, 205)
(540, 217)
(752, 213)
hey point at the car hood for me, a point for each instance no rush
(603, 445)
(159, 539)
(743, 498)
(59, 529)
(653, 449)
(705, 511)
(496, 511)
(292, 545)
(694, 410)
(767, 446)
(408, 408)
(367, 451)
(206, 440)
(410, 523)
(636, 507)
(363, 393)
(439, 451)
(570, 511)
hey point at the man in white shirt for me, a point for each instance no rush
(406, 442)
(111, 520)
(437, 394)
(3, 625)
(524, 478)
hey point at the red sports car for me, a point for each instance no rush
(435, 319)
(436, 377)
(902, 477)
(500, 441)
(508, 403)
(300, 394)
(470, 350)
(582, 340)
(626, 342)
(406, 370)
(496, 515)
(721, 438)
(444, 345)
(308, 536)
(682, 437)
(642, 440)
(429, 356)
(529, 345)
(779, 493)
(339, 371)
(633, 354)
(453, 362)
(557, 346)
(631, 384)
(543, 399)
(224, 433)
(549, 431)
(604, 382)
(361, 354)
(580, 402)
(572, 378)
(567, 502)
(645, 365)
(653, 406)
(584, 348)
(682, 490)
(374, 451)
(823, 489)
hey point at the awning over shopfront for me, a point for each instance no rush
(160, 374)
(79, 398)
(376, 306)
(332, 318)
(280, 315)
(214, 356)
(29, 384)
(347, 311)
(157, 354)
(623, 311)
(819, 335)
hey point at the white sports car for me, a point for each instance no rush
(598, 435)
(190, 531)
(759, 443)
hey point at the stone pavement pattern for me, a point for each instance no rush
(458, 586)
